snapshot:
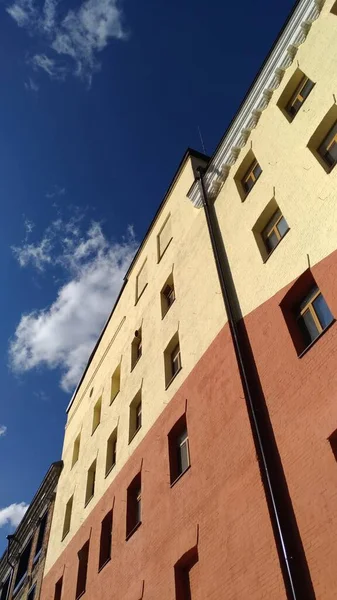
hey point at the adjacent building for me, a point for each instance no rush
(22, 565)
(200, 445)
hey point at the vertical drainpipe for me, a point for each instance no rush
(292, 559)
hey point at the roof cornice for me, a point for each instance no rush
(267, 81)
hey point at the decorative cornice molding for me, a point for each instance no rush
(280, 58)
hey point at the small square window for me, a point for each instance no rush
(111, 452)
(134, 505)
(251, 177)
(247, 174)
(299, 97)
(135, 415)
(172, 360)
(168, 295)
(67, 517)
(328, 148)
(76, 450)
(274, 231)
(97, 415)
(115, 383)
(313, 316)
(90, 489)
(179, 452)
(136, 348)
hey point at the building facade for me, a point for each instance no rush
(22, 565)
(200, 446)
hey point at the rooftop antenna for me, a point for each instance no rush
(202, 141)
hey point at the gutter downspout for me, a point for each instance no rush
(293, 564)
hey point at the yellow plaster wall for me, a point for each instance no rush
(196, 286)
(305, 193)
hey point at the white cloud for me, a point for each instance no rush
(29, 226)
(3, 430)
(76, 37)
(13, 514)
(49, 65)
(63, 334)
(31, 86)
(39, 255)
(56, 191)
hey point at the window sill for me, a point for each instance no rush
(172, 378)
(133, 530)
(80, 595)
(141, 293)
(134, 434)
(277, 245)
(114, 398)
(316, 339)
(89, 500)
(180, 476)
(162, 254)
(109, 471)
(104, 564)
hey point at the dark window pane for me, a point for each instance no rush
(331, 154)
(272, 241)
(305, 91)
(282, 226)
(308, 327)
(248, 184)
(322, 311)
(257, 171)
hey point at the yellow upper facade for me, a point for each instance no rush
(177, 244)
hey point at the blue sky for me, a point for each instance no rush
(99, 100)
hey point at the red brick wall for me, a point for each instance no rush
(218, 504)
(301, 396)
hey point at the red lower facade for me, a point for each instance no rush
(217, 509)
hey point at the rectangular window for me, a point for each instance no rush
(141, 281)
(83, 556)
(23, 565)
(179, 453)
(67, 517)
(105, 540)
(76, 450)
(136, 348)
(58, 589)
(186, 575)
(31, 593)
(164, 237)
(168, 295)
(111, 452)
(96, 419)
(5, 588)
(300, 95)
(115, 383)
(135, 415)
(172, 360)
(42, 529)
(274, 231)
(314, 316)
(134, 505)
(90, 489)
(328, 148)
(251, 176)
